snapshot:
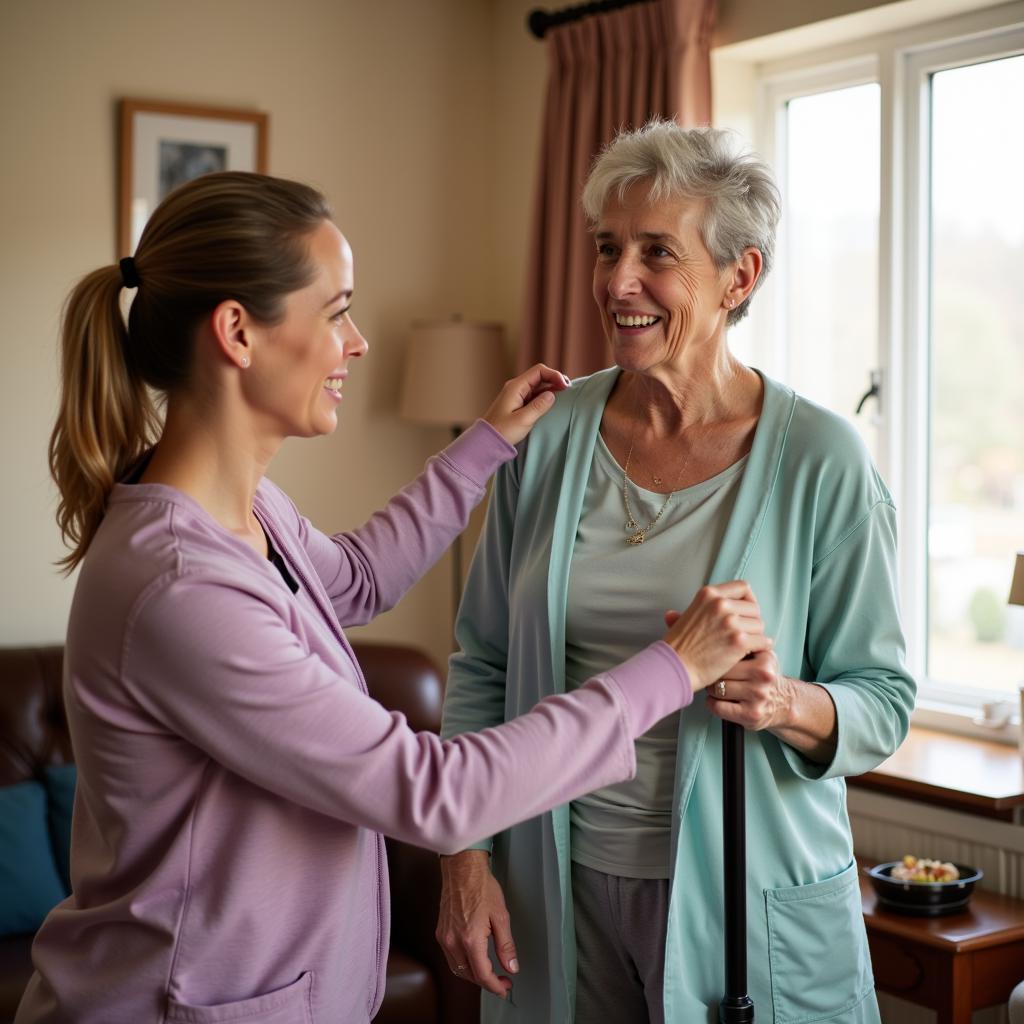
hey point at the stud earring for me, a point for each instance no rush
(245, 362)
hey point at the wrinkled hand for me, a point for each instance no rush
(473, 910)
(721, 626)
(523, 400)
(757, 694)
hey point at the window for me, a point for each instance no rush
(898, 302)
(976, 343)
(831, 251)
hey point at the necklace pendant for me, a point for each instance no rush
(636, 538)
(657, 481)
(632, 525)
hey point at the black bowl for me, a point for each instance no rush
(924, 899)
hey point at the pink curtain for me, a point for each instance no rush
(605, 72)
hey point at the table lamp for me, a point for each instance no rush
(1017, 586)
(1017, 597)
(454, 369)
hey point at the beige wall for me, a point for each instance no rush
(749, 19)
(419, 118)
(385, 105)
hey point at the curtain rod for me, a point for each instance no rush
(539, 21)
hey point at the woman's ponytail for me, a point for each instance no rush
(226, 235)
(107, 417)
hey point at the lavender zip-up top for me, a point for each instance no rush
(235, 777)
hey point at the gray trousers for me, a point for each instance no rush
(620, 947)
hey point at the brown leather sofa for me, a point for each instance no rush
(420, 988)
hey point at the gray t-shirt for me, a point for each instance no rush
(618, 594)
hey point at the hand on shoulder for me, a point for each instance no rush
(523, 400)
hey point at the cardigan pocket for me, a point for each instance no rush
(817, 949)
(289, 1005)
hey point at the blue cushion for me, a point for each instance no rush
(60, 782)
(29, 883)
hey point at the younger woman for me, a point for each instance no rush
(234, 775)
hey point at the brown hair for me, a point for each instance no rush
(229, 235)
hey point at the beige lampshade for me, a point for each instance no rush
(1017, 586)
(453, 371)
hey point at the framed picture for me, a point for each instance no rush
(164, 145)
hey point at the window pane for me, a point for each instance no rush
(976, 458)
(831, 216)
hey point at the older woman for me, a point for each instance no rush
(677, 466)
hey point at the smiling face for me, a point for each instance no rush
(299, 370)
(661, 297)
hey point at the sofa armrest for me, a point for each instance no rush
(15, 971)
(415, 897)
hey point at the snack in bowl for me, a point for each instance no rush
(919, 885)
(921, 869)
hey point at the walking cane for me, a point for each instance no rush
(736, 1006)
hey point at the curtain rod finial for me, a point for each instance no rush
(537, 22)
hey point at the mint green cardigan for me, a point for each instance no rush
(813, 531)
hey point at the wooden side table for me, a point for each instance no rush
(952, 965)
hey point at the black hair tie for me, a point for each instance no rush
(129, 275)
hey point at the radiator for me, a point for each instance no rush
(885, 828)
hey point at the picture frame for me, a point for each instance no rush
(163, 145)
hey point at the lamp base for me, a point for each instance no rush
(456, 559)
(1020, 724)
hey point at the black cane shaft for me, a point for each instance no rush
(735, 839)
(736, 1007)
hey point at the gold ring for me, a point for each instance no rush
(460, 967)
(720, 689)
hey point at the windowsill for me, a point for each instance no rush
(955, 772)
(945, 711)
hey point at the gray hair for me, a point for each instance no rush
(743, 203)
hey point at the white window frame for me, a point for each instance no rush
(902, 63)
(774, 94)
